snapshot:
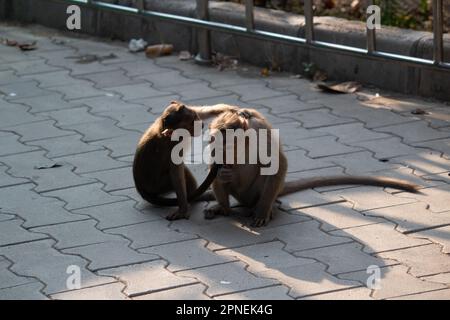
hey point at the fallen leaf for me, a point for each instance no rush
(159, 50)
(50, 166)
(265, 72)
(419, 111)
(344, 87)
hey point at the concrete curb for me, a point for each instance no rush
(389, 75)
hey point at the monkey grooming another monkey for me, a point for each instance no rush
(258, 192)
(154, 172)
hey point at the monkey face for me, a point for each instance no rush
(178, 116)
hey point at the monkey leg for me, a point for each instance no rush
(179, 179)
(223, 199)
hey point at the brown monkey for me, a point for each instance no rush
(259, 192)
(154, 172)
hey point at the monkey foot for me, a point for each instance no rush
(177, 215)
(257, 222)
(211, 213)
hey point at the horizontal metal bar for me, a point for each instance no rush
(264, 35)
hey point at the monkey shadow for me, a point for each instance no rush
(291, 255)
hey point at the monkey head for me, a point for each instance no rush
(178, 116)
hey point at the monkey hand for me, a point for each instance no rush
(216, 210)
(259, 222)
(178, 214)
(225, 174)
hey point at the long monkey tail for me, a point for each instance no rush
(304, 184)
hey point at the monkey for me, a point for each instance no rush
(154, 172)
(259, 192)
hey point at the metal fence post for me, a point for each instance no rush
(309, 21)
(204, 37)
(249, 15)
(371, 35)
(438, 24)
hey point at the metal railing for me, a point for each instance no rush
(202, 22)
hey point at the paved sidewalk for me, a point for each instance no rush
(68, 132)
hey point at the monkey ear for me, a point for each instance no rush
(174, 102)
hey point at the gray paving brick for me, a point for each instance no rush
(129, 117)
(110, 79)
(437, 117)
(52, 79)
(9, 279)
(100, 130)
(439, 235)
(227, 278)
(352, 132)
(328, 146)
(114, 179)
(64, 146)
(40, 260)
(12, 233)
(116, 214)
(36, 210)
(166, 79)
(305, 235)
(139, 67)
(425, 163)
(11, 145)
(52, 101)
(271, 293)
(147, 277)
(29, 291)
(436, 197)
(387, 148)
(38, 130)
(318, 118)
(120, 146)
(306, 199)
(37, 168)
(7, 180)
(196, 91)
(355, 258)
(92, 161)
(349, 294)
(361, 163)
(138, 91)
(78, 90)
(75, 234)
(443, 294)
(442, 145)
(223, 78)
(394, 282)
(190, 292)
(338, 216)
(84, 196)
(292, 134)
(73, 116)
(31, 67)
(110, 254)
(287, 104)
(417, 131)
(112, 291)
(9, 76)
(151, 233)
(20, 90)
(253, 91)
(436, 261)
(380, 237)
(439, 278)
(298, 161)
(187, 255)
(15, 114)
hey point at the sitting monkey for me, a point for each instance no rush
(154, 172)
(259, 192)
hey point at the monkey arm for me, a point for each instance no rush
(205, 112)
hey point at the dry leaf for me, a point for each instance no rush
(159, 50)
(320, 75)
(344, 87)
(265, 72)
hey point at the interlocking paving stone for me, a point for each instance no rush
(411, 217)
(329, 146)
(75, 234)
(271, 293)
(166, 79)
(20, 90)
(227, 278)
(7, 180)
(425, 163)
(84, 196)
(53, 101)
(9, 76)
(439, 278)
(78, 90)
(387, 148)
(116, 214)
(298, 161)
(40, 260)
(195, 91)
(394, 282)
(436, 261)
(352, 132)
(415, 131)
(110, 254)
(31, 67)
(338, 216)
(151, 234)
(9, 279)
(319, 118)
(109, 79)
(120, 146)
(443, 294)
(223, 79)
(138, 91)
(73, 116)
(292, 134)
(442, 145)
(11, 145)
(114, 179)
(139, 67)
(36, 210)
(355, 259)
(99, 130)
(45, 173)
(406, 174)
(399, 103)
(437, 117)
(287, 104)
(190, 292)
(15, 114)
(38, 130)
(29, 291)
(380, 237)
(53, 79)
(187, 255)
(305, 235)
(13, 233)
(306, 199)
(147, 277)
(437, 197)
(64, 146)
(92, 161)
(369, 198)
(439, 235)
(361, 162)
(112, 291)
(349, 294)
(253, 91)
(105, 104)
